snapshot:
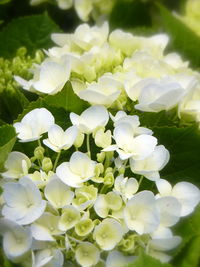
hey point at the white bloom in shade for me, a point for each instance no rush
(151, 165)
(170, 210)
(127, 187)
(17, 240)
(187, 194)
(46, 227)
(59, 139)
(117, 259)
(79, 169)
(103, 139)
(163, 240)
(133, 120)
(40, 178)
(48, 258)
(58, 193)
(104, 203)
(85, 37)
(91, 119)
(108, 234)
(141, 213)
(34, 124)
(83, 8)
(159, 95)
(52, 77)
(23, 201)
(69, 218)
(17, 165)
(128, 146)
(103, 92)
(64, 4)
(87, 254)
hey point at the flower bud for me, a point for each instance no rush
(99, 168)
(101, 156)
(109, 179)
(79, 140)
(39, 152)
(47, 164)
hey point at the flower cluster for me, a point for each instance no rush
(119, 70)
(83, 8)
(81, 197)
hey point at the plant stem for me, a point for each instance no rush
(56, 161)
(88, 145)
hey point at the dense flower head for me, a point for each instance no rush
(112, 68)
(87, 203)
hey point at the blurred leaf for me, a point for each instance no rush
(129, 14)
(7, 141)
(145, 260)
(67, 99)
(33, 32)
(183, 39)
(184, 147)
(2, 2)
(12, 103)
(188, 252)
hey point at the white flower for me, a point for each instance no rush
(52, 77)
(64, 4)
(158, 95)
(108, 234)
(79, 169)
(117, 259)
(69, 218)
(87, 254)
(46, 227)
(151, 165)
(48, 258)
(187, 194)
(141, 213)
(17, 240)
(103, 139)
(91, 119)
(17, 165)
(104, 203)
(103, 92)
(128, 146)
(127, 187)
(85, 37)
(83, 8)
(23, 202)
(163, 240)
(34, 124)
(59, 139)
(170, 210)
(58, 193)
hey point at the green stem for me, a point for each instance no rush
(39, 142)
(140, 181)
(88, 145)
(56, 161)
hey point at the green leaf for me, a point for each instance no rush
(183, 39)
(188, 252)
(145, 260)
(67, 99)
(32, 32)
(7, 141)
(184, 147)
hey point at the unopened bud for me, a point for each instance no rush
(47, 164)
(39, 152)
(79, 140)
(109, 179)
(101, 156)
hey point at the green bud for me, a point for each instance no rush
(121, 170)
(21, 51)
(84, 227)
(39, 152)
(47, 164)
(99, 168)
(101, 156)
(109, 179)
(79, 140)
(109, 169)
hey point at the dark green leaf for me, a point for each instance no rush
(67, 99)
(183, 39)
(32, 32)
(184, 147)
(188, 252)
(7, 141)
(145, 260)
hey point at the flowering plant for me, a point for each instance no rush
(101, 168)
